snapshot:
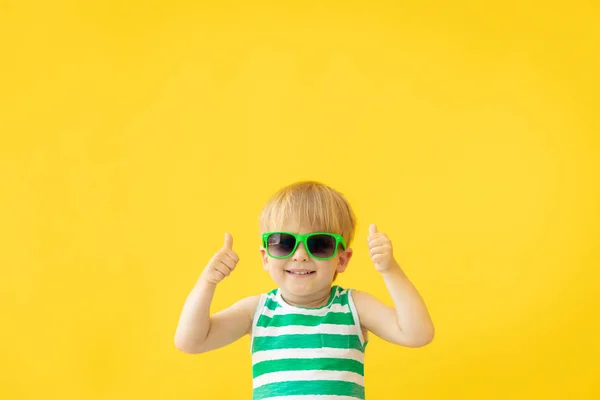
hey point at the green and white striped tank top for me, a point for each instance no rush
(307, 353)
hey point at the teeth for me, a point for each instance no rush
(301, 273)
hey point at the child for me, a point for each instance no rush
(308, 336)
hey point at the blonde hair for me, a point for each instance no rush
(320, 206)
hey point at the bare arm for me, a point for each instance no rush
(407, 323)
(198, 332)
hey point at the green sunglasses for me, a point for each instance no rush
(319, 245)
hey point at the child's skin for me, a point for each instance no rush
(407, 323)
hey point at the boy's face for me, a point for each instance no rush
(300, 276)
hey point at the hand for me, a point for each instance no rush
(222, 263)
(380, 248)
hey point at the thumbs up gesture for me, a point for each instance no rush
(222, 263)
(380, 249)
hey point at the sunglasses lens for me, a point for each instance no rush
(281, 244)
(322, 246)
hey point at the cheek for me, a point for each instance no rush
(326, 266)
(275, 265)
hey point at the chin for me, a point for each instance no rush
(297, 289)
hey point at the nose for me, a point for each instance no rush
(300, 255)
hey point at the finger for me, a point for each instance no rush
(372, 229)
(379, 258)
(222, 268)
(220, 275)
(378, 240)
(228, 242)
(378, 250)
(228, 262)
(232, 255)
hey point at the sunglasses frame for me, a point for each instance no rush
(303, 239)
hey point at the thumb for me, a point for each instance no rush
(228, 242)
(372, 229)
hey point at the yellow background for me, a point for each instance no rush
(133, 134)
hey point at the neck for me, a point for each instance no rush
(314, 300)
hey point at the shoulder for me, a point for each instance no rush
(365, 302)
(248, 304)
(251, 303)
(358, 294)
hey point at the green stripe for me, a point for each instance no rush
(299, 388)
(272, 304)
(343, 300)
(306, 320)
(307, 364)
(308, 341)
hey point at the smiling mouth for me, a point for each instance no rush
(300, 272)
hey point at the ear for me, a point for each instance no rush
(265, 257)
(343, 260)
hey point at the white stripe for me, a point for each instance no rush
(319, 312)
(356, 318)
(312, 397)
(267, 355)
(257, 314)
(311, 375)
(304, 330)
